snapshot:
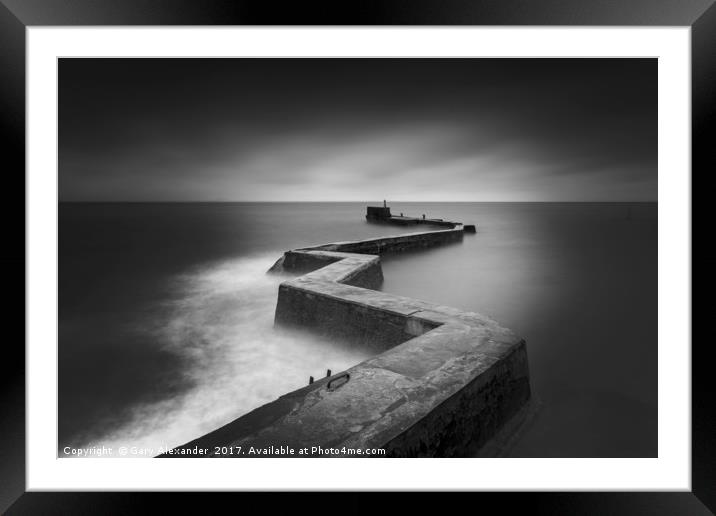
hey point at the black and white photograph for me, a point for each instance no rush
(454, 239)
(357, 257)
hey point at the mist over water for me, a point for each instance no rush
(219, 320)
(166, 313)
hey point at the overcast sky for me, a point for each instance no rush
(358, 129)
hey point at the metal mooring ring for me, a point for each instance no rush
(331, 383)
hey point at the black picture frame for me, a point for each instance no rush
(17, 15)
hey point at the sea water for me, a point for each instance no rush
(166, 313)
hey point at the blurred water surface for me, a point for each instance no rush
(165, 313)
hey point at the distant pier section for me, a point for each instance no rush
(383, 214)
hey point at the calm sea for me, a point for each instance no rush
(166, 313)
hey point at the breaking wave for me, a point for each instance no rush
(220, 320)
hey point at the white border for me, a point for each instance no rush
(670, 471)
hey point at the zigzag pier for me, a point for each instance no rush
(442, 382)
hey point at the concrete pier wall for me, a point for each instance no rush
(398, 243)
(466, 421)
(359, 322)
(443, 381)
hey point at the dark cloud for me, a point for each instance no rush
(358, 129)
